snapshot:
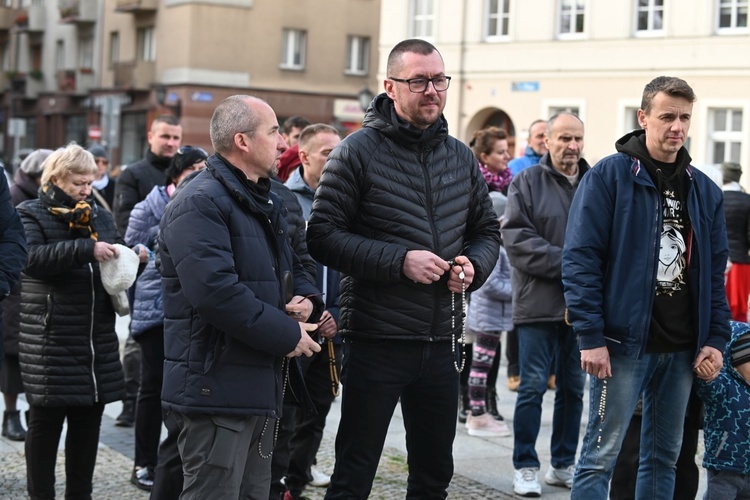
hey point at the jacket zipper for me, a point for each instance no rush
(91, 335)
(433, 230)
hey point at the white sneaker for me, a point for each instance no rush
(319, 478)
(560, 477)
(525, 482)
(486, 426)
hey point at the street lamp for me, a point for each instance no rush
(161, 98)
(365, 97)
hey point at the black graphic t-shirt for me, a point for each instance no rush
(672, 317)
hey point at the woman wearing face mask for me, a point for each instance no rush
(68, 349)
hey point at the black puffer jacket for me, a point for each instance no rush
(389, 188)
(737, 213)
(68, 350)
(134, 184)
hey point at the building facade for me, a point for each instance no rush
(182, 57)
(514, 61)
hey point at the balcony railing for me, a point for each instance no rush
(137, 6)
(8, 17)
(77, 11)
(135, 75)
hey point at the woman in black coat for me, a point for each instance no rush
(68, 349)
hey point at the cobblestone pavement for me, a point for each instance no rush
(114, 464)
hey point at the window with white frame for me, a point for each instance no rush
(60, 55)
(631, 119)
(147, 44)
(572, 16)
(649, 16)
(114, 47)
(357, 55)
(733, 15)
(86, 52)
(725, 135)
(498, 17)
(293, 46)
(6, 57)
(422, 19)
(554, 110)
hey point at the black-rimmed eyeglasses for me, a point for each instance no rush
(187, 149)
(419, 85)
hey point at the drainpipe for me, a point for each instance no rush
(461, 75)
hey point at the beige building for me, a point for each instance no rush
(183, 57)
(513, 61)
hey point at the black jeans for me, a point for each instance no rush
(81, 443)
(148, 417)
(375, 375)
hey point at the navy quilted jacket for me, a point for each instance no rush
(223, 262)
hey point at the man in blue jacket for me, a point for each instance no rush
(643, 271)
(535, 148)
(236, 300)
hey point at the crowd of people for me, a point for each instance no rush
(389, 265)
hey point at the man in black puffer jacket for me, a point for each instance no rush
(397, 201)
(133, 185)
(225, 259)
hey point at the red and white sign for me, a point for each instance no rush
(95, 133)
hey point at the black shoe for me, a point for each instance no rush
(143, 478)
(12, 428)
(463, 404)
(127, 415)
(492, 404)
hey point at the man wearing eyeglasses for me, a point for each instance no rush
(398, 201)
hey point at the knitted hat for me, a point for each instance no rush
(120, 273)
(98, 151)
(33, 164)
(731, 172)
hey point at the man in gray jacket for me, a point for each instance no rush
(533, 231)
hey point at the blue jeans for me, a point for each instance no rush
(665, 381)
(376, 373)
(539, 344)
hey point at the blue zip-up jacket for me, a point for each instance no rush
(611, 254)
(529, 159)
(143, 226)
(726, 428)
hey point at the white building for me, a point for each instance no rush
(513, 61)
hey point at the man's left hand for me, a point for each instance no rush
(708, 363)
(461, 264)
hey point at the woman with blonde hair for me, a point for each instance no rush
(68, 348)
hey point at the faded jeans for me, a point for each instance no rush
(665, 381)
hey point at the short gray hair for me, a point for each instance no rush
(231, 117)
